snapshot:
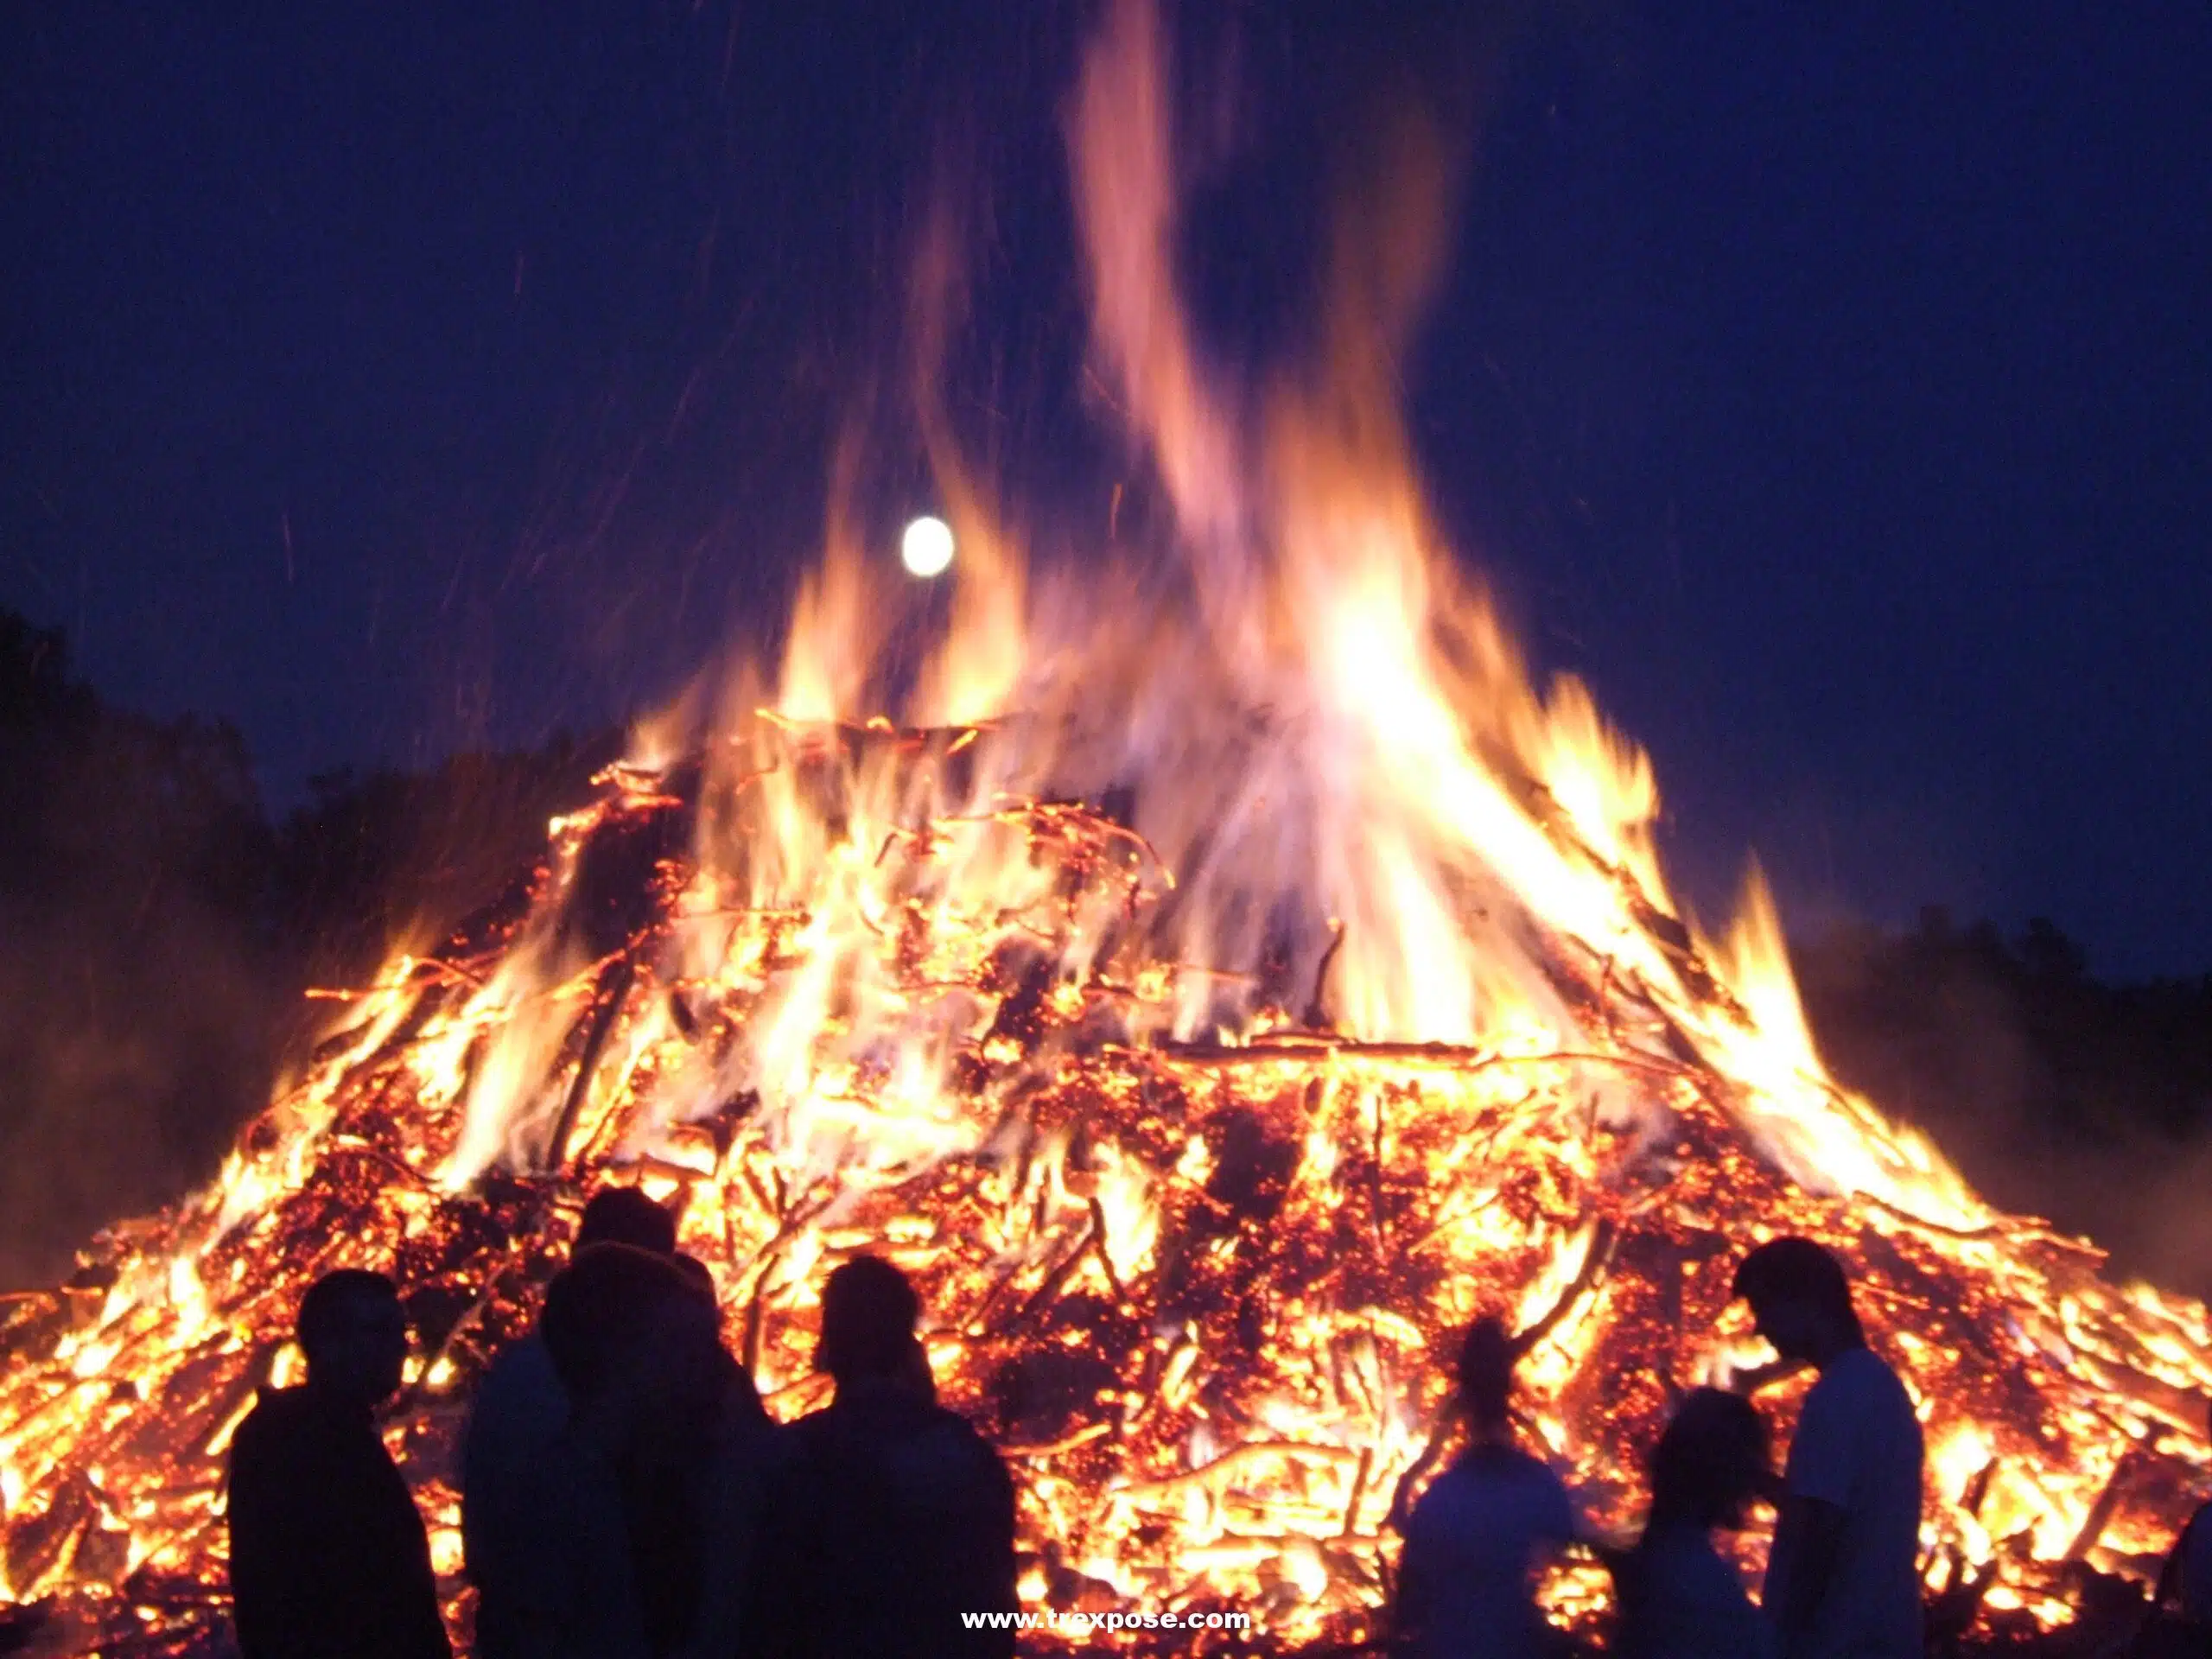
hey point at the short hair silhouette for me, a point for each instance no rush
(624, 1215)
(334, 1302)
(602, 1306)
(868, 1313)
(1798, 1270)
(1711, 1458)
(1487, 1356)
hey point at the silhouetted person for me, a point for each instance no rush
(726, 1474)
(520, 1406)
(693, 1479)
(2185, 1584)
(895, 1517)
(20, 1624)
(328, 1556)
(1473, 1541)
(1841, 1578)
(1678, 1599)
(617, 1324)
(697, 1273)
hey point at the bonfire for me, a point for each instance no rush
(1227, 978)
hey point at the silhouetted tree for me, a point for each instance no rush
(372, 858)
(2057, 1094)
(156, 932)
(135, 951)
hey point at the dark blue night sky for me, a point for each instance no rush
(1831, 386)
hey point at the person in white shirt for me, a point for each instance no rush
(1465, 1581)
(1678, 1599)
(1842, 1580)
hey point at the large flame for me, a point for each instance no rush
(1231, 977)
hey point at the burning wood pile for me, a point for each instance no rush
(1232, 979)
(1195, 1288)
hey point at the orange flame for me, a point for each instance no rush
(1214, 1004)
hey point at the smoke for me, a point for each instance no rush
(2055, 1095)
(2144, 1201)
(157, 931)
(136, 1032)
(138, 1008)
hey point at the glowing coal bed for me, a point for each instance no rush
(1196, 1291)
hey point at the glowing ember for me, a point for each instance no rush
(1214, 1006)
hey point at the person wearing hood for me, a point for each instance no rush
(626, 1333)
(520, 1407)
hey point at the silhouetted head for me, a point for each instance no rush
(354, 1332)
(868, 1313)
(1800, 1300)
(1487, 1356)
(623, 1215)
(1710, 1462)
(607, 1316)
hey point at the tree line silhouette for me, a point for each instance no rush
(158, 924)
(2058, 1094)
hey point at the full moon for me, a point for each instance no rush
(926, 547)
